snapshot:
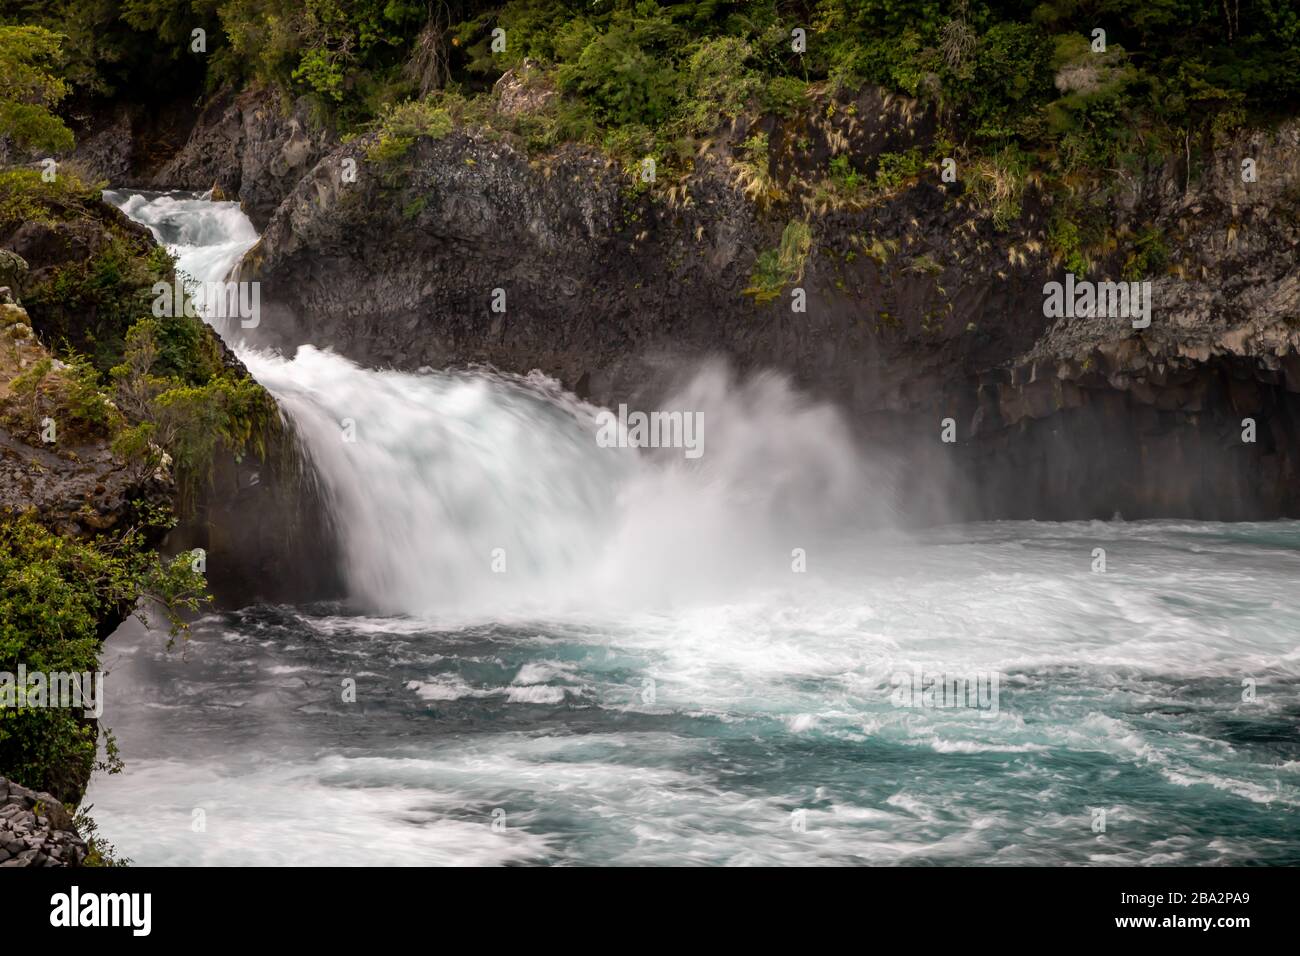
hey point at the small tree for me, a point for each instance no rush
(31, 89)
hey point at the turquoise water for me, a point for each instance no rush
(1119, 691)
(556, 652)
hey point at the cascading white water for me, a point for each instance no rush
(207, 238)
(435, 480)
(649, 680)
(475, 493)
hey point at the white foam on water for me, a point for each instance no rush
(626, 572)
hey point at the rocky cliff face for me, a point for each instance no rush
(75, 486)
(250, 148)
(920, 307)
(247, 146)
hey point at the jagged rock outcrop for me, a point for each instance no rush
(524, 89)
(1167, 408)
(36, 830)
(250, 147)
(919, 307)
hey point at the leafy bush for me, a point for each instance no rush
(719, 82)
(622, 73)
(784, 95)
(401, 125)
(68, 393)
(844, 175)
(188, 419)
(26, 197)
(31, 89)
(56, 594)
(895, 169)
(1147, 255)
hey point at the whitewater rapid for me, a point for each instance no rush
(474, 494)
(695, 661)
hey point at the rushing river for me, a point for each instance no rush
(555, 652)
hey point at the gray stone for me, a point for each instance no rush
(29, 839)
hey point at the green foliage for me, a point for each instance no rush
(110, 46)
(28, 389)
(86, 403)
(1147, 256)
(189, 419)
(754, 169)
(57, 593)
(774, 269)
(844, 175)
(401, 125)
(996, 183)
(1001, 71)
(625, 71)
(720, 85)
(1010, 80)
(100, 853)
(68, 393)
(895, 169)
(1067, 245)
(28, 57)
(26, 197)
(1078, 235)
(643, 77)
(784, 95)
(845, 186)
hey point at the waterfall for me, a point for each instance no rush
(477, 493)
(642, 657)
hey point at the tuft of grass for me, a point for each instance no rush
(997, 185)
(776, 268)
(753, 171)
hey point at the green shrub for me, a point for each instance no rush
(28, 58)
(1147, 256)
(1066, 241)
(844, 175)
(623, 73)
(720, 83)
(401, 125)
(190, 420)
(784, 95)
(895, 169)
(774, 269)
(56, 593)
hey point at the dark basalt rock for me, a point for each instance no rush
(620, 290)
(250, 148)
(918, 308)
